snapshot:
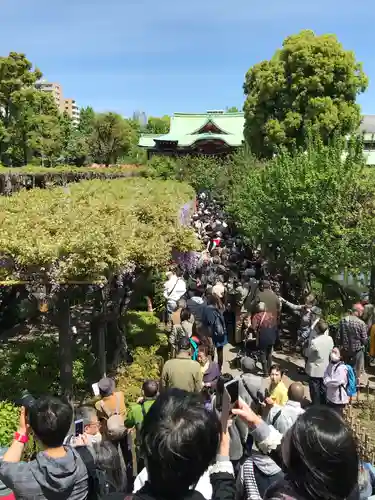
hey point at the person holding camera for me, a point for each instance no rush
(57, 470)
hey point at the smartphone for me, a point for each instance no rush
(230, 398)
(233, 390)
(78, 427)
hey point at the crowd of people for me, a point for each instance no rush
(268, 441)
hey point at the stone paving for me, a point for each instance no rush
(290, 363)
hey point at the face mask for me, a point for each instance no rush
(335, 358)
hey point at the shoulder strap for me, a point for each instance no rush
(276, 417)
(104, 408)
(117, 404)
(174, 286)
(143, 409)
(247, 388)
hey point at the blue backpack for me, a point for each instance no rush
(194, 345)
(351, 388)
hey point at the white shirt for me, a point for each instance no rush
(318, 355)
(203, 486)
(174, 288)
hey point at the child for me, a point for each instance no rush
(336, 380)
(278, 393)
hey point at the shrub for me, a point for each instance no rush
(34, 365)
(93, 229)
(9, 418)
(162, 167)
(15, 179)
(150, 346)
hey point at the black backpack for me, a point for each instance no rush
(99, 486)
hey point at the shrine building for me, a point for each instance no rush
(213, 133)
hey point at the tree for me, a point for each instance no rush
(316, 205)
(157, 125)
(34, 128)
(112, 137)
(232, 109)
(29, 118)
(86, 121)
(311, 83)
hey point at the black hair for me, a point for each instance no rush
(150, 388)
(222, 380)
(277, 367)
(185, 314)
(109, 468)
(179, 440)
(323, 457)
(50, 419)
(184, 344)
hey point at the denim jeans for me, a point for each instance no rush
(317, 391)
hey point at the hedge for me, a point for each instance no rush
(13, 180)
(92, 230)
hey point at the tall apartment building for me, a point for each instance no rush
(52, 88)
(71, 109)
(68, 106)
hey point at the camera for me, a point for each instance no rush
(27, 400)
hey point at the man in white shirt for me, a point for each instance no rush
(174, 289)
(317, 354)
(283, 417)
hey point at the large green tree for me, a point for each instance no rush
(29, 119)
(112, 137)
(311, 83)
(316, 205)
(156, 125)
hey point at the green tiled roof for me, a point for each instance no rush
(185, 127)
(147, 140)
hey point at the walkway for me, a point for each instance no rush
(287, 362)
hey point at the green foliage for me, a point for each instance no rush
(112, 137)
(90, 230)
(33, 365)
(9, 418)
(311, 84)
(232, 109)
(15, 179)
(314, 204)
(157, 125)
(150, 346)
(162, 167)
(32, 129)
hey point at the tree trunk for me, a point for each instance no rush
(65, 345)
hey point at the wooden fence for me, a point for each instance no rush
(363, 402)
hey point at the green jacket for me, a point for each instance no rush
(134, 417)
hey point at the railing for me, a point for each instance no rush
(362, 402)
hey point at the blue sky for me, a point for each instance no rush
(171, 55)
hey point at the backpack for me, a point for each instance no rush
(351, 386)
(218, 328)
(98, 485)
(194, 345)
(115, 424)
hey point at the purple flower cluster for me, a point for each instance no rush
(186, 260)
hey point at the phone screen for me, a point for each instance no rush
(233, 390)
(78, 427)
